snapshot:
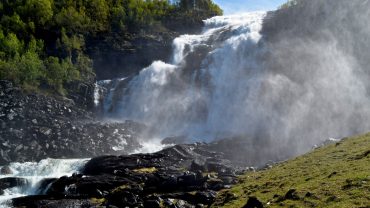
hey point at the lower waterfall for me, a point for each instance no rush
(32, 174)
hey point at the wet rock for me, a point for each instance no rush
(167, 177)
(11, 182)
(6, 170)
(44, 185)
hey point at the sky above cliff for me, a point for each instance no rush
(238, 6)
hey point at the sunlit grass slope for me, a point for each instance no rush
(337, 175)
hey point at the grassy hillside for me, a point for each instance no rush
(337, 175)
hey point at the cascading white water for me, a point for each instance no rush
(228, 81)
(160, 96)
(35, 173)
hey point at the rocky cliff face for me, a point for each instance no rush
(119, 55)
(122, 55)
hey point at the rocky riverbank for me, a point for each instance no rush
(180, 176)
(35, 127)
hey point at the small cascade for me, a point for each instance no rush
(30, 176)
(105, 93)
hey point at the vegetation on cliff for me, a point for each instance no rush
(337, 175)
(43, 42)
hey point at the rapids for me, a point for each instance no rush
(34, 173)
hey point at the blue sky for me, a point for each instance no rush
(237, 6)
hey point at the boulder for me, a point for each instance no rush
(11, 182)
(5, 170)
(253, 202)
(292, 195)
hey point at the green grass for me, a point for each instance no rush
(336, 175)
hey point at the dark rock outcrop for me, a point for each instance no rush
(123, 55)
(253, 202)
(168, 178)
(82, 93)
(11, 182)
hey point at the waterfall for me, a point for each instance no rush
(177, 96)
(34, 173)
(231, 81)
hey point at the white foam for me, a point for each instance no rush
(35, 172)
(150, 146)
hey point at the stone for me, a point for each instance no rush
(19, 147)
(152, 203)
(11, 182)
(10, 116)
(188, 179)
(253, 202)
(2, 124)
(292, 195)
(198, 164)
(227, 180)
(6, 170)
(45, 131)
